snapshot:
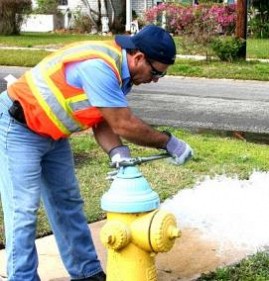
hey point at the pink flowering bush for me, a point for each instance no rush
(197, 25)
(225, 17)
(180, 19)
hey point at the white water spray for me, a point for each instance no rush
(227, 210)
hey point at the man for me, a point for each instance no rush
(80, 86)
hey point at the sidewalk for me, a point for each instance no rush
(190, 256)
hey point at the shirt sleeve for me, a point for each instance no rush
(98, 81)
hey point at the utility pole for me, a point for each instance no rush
(241, 25)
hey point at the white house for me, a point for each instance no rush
(67, 7)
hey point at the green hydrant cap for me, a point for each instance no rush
(130, 192)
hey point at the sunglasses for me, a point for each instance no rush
(154, 72)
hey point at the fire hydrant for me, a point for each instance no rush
(136, 230)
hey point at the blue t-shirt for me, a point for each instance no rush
(99, 81)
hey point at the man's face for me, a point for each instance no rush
(143, 70)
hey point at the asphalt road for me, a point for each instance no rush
(218, 104)
(194, 103)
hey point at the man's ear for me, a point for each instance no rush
(138, 58)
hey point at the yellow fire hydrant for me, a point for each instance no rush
(136, 230)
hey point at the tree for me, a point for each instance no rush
(11, 15)
(241, 26)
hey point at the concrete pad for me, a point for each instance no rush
(51, 267)
(190, 256)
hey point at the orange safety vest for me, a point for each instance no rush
(51, 106)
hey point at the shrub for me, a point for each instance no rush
(197, 25)
(47, 7)
(227, 48)
(180, 19)
(11, 16)
(81, 23)
(259, 19)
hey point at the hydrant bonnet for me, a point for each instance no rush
(130, 192)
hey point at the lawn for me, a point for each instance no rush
(256, 48)
(35, 39)
(247, 70)
(214, 154)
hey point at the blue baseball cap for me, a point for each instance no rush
(156, 43)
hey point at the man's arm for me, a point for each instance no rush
(123, 123)
(105, 136)
(111, 143)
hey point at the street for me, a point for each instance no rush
(197, 103)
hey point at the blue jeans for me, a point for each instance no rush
(34, 167)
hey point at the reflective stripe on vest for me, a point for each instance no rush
(58, 105)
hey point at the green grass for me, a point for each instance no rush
(214, 154)
(46, 39)
(246, 70)
(26, 58)
(254, 268)
(258, 48)
(254, 70)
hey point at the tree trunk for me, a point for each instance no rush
(241, 25)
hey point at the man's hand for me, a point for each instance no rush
(179, 150)
(119, 154)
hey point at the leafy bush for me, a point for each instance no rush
(227, 48)
(180, 19)
(47, 7)
(259, 19)
(197, 25)
(11, 16)
(81, 23)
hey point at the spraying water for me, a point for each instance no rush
(228, 210)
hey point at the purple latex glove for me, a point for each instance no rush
(119, 154)
(179, 150)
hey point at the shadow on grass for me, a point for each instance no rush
(81, 159)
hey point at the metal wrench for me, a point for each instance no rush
(133, 162)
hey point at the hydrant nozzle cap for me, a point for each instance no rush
(130, 193)
(115, 235)
(163, 231)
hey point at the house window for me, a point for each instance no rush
(63, 2)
